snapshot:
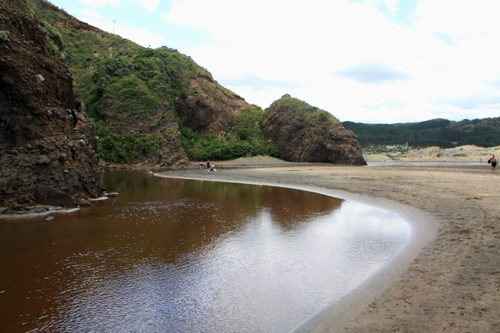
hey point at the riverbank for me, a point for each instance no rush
(447, 281)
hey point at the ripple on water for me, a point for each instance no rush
(199, 262)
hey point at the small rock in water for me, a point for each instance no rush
(85, 203)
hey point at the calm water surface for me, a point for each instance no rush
(171, 255)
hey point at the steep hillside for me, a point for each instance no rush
(308, 134)
(45, 137)
(138, 98)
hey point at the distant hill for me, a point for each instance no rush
(436, 132)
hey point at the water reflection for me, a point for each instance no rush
(189, 256)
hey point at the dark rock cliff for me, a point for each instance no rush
(45, 138)
(308, 134)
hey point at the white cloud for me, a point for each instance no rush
(298, 42)
(461, 76)
(349, 59)
(141, 36)
(459, 19)
(299, 35)
(150, 5)
(392, 5)
(89, 14)
(99, 3)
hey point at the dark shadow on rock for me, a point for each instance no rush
(47, 195)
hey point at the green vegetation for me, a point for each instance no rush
(136, 83)
(120, 82)
(303, 109)
(437, 132)
(123, 84)
(244, 140)
(126, 148)
(133, 86)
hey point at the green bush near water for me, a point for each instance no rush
(126, 148)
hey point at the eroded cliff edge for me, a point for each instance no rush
(45, 137)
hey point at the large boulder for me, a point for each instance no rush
(307, 134)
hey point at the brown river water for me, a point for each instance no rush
(172, 255)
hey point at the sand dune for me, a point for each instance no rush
(463, 153)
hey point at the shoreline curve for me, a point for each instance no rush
(423, 229)
(447, 280)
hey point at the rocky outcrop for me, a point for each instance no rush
(210, 110)
(308, 134)
(45, 138)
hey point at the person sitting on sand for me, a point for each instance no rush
(212, 167)
(201, 165)
(493, 161)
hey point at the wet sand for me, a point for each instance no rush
(446, 279)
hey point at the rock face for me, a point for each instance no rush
(45, 138)
(308, 134)
(211, 110)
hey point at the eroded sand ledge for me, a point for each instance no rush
(449, 277)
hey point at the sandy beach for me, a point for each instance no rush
(446, 279)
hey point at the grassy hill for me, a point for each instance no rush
(150, 104)
(129, 91)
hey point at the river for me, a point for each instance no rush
(173, 255)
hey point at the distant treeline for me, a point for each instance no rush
(436, 132)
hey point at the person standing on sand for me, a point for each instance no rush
(493, 161)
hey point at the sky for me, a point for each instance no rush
(371, 61)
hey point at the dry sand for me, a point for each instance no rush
(463, 153)
(447, 278)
